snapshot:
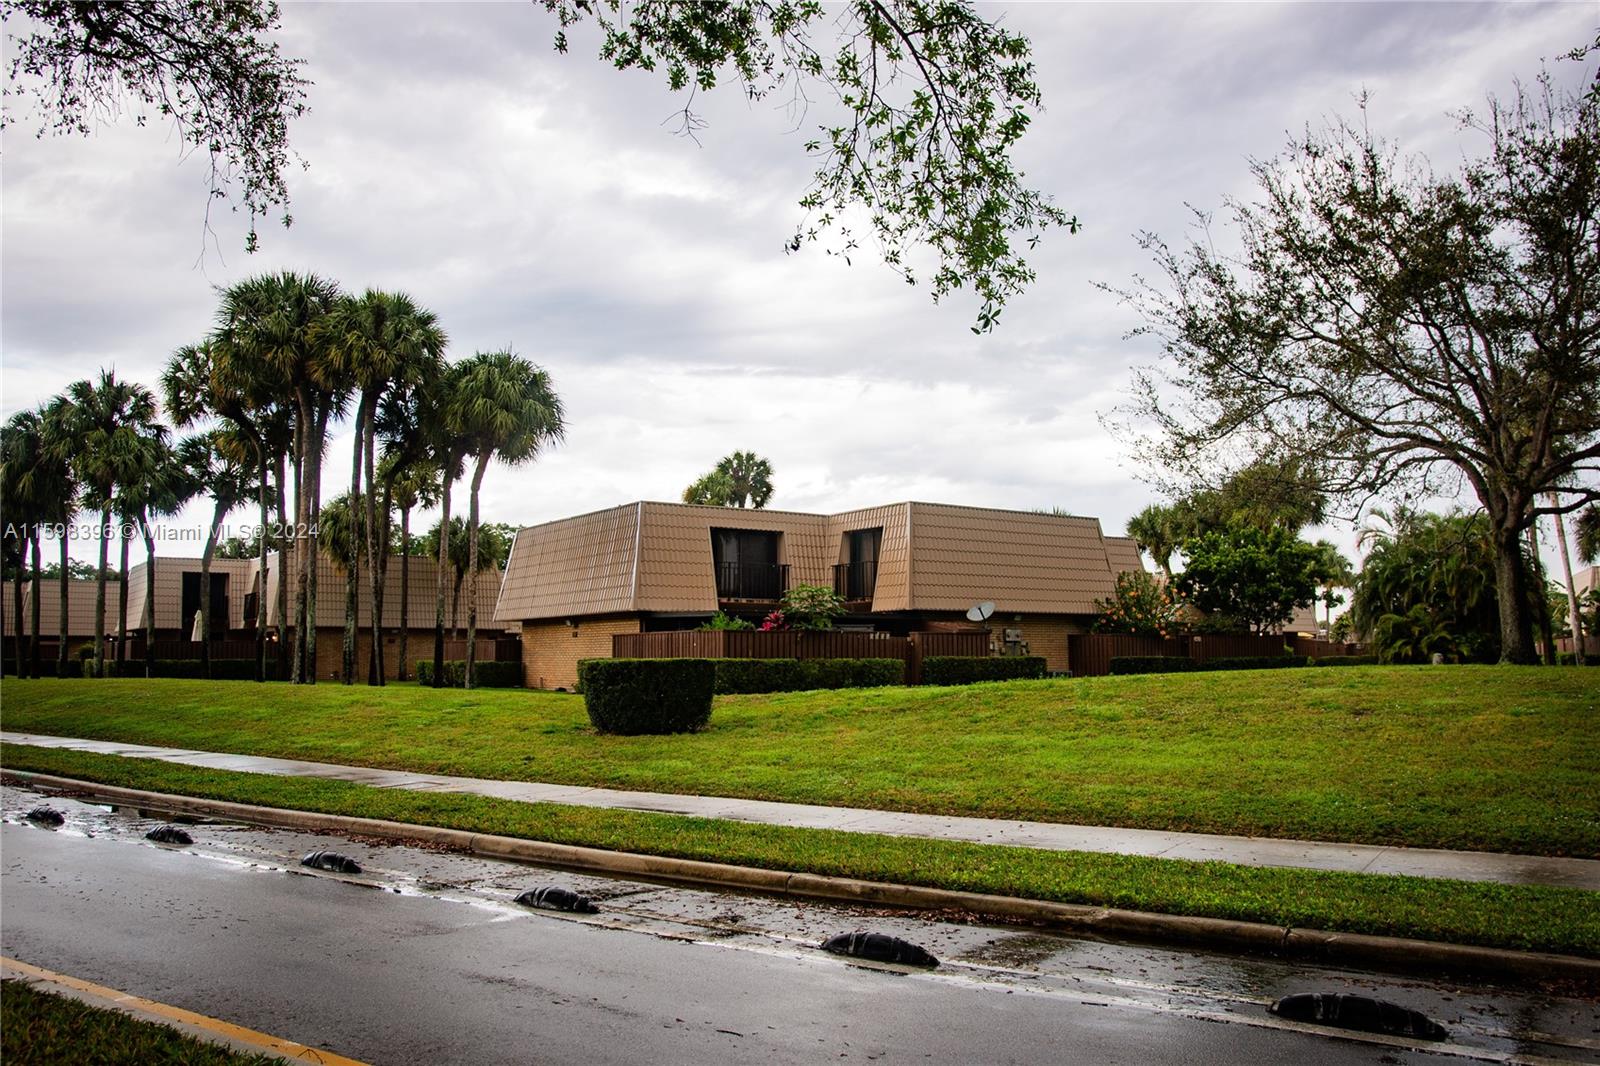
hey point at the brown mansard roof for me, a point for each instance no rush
(935, 557)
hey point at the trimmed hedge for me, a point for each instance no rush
(1253, 662)
(484, 674)
(193, 669)
(1346, 660)
(1152, 664)
(1177, 664)
(968, 669)
(800, 675)
(654, 696)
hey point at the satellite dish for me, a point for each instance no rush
(980, 612)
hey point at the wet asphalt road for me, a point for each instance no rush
(423, 959)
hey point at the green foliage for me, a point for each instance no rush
(738, 480)
(811, 607)
(1494, 758)
(1141, 606)
(1251, 577)
(1428, 585)
(1345, 660)
(648, 696)
(221, 669)
(1152, 664)
(724, 621)
(1400, 329)
(42, 1027)
(210, 66)
(802, 675)
(1254, 662)
(970, 669)
(934, 98)
(484, 674)
(1179, 664)
(1586, 530)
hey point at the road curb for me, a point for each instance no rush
(1313, 945)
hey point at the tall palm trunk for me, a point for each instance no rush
(261, 568)
(444, 560)
(100, 596)
(315, 543)
(375, 562)
(205, 588)
(19, 647)
(405, 591)
(122, 603)
(281, 539)
(472, 569)
(1535, 601)
(302, 519)
(352, 577)
(148, 619)
(62, 592)
(33, 621)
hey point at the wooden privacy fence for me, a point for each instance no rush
(799, 644)
(1090, 654)
(1322, 649)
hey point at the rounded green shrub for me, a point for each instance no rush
(648, 696)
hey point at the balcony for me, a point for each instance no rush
(855, 581)
(752, 581)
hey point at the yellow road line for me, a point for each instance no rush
(221, 1028)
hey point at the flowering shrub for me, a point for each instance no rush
(1141, 606)
(773, 622)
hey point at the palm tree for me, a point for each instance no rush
(146, 466)
(739, 479)
(168, 486)
(22, 459)
(63, 506)
(446, 451)
(1586, 530)
(106, 420)
(506, 407)
(1333, 571)
(222, 465)
(380, 341)
(275, 321)
(1154, 529)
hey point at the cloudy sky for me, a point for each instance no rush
(542, 201)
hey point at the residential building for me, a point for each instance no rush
(80, 614)
(904, 567)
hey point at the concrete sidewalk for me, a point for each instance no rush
(1050, 836)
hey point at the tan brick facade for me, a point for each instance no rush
(551, 650)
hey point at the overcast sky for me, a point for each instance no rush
(539, 201)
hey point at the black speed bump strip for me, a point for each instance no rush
(331, 861)
(1345, 1011)
(879, 947)
(168, 834)
(552, 898)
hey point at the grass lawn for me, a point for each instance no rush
(1494, 758)
(1549, 919)
(44, 1029)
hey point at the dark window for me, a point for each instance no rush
(191, 603)
(855, 578)
(747, 566)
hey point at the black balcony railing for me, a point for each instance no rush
(855, 581)
(752, 581)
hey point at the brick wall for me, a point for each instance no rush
(551, 650)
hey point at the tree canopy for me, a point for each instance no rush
(208, 66)
(1401, 330)
(739, 479)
